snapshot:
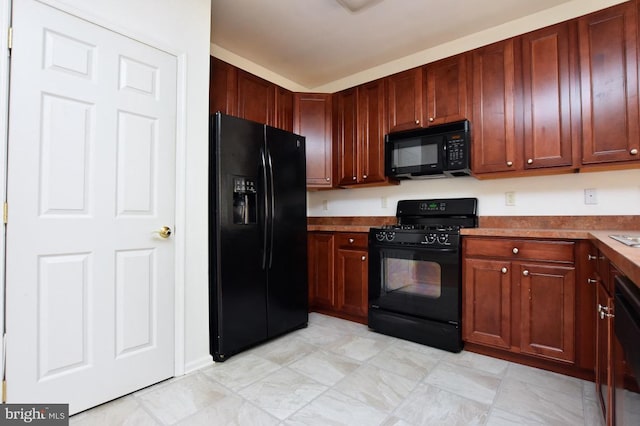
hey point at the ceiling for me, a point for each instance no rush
(315, 42)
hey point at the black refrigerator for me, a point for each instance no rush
(257, 234)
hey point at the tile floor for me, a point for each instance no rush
(337, 372)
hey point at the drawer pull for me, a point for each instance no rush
(591, 281)
(504, 270)
(364, 257)
(592, 257)
(351, 240)
(515, 250)
(525, 273)
(509, 163)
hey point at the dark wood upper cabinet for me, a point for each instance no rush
(359, 129)
(609, 84)
(445, 90)
(312, 119)
(494, 147)
(548, 82)
(256, 98)
(371, 130)
(284, 109)
(222, 87)
(345, 136)
(404, 99)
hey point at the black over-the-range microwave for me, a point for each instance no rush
(436, 151)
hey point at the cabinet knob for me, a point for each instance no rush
(634, 151)
(525, 273)
(364, 176)
(591, 257)
(351, 240)
(591, 281)
(509, 163)
(417, 121)
(503, 270)
(530, 161)
(354, 178)
(515, 250)
(430, 119)
(364, 257)
(328, 179)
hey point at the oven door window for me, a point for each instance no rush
(415, 281)
(412, 276)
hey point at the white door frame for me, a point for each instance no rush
(181, 116)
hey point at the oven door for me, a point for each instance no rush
(415, 281)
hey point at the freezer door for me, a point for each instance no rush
(287, 302)
(237, 287)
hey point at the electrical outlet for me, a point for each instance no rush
(383, 202)
(590, 196)
(510, 198)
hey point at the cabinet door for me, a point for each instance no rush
(494, 135)
(404, 99)
(222, 87)
(345, 135)
(446, 90)
(547, 303)
(604, 354)
(321, 259)
(609, 84)
(371, 131)
(256, 98)
(547, 67)
(486, 307)
(284, 109)
(352, 282)
(312, 119)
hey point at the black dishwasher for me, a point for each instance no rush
(627, 321)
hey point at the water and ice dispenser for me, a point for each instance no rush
(244, 200)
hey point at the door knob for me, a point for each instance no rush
(164, 232)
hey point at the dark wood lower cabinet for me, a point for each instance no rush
(614, 378)
(521, 301)
(338, 274)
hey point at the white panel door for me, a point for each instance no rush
(91, 176)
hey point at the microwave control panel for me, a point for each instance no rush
(456, 152)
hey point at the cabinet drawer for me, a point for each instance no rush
(346, 240)
(553, 251)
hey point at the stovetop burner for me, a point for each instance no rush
(433, 223)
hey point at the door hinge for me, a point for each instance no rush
(5, 213)
(10, 38)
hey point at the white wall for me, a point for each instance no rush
(617, 193)
(181, 28)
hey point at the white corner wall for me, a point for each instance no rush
(181, 28)
(617, 193)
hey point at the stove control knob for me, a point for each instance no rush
(380, 236)
(443, 239)
(431, 238)
(391, 235)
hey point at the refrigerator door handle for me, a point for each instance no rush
(265, 197)
(272, 206)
